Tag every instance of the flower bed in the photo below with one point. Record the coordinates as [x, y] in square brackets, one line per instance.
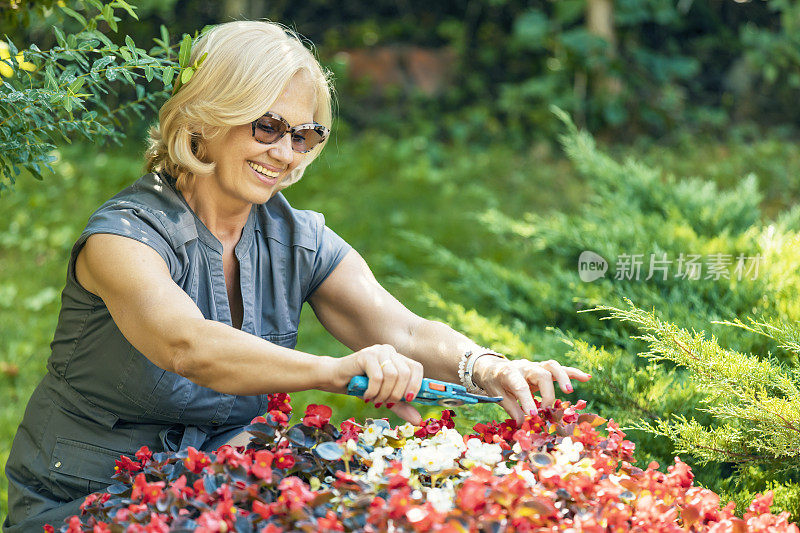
[555, 472]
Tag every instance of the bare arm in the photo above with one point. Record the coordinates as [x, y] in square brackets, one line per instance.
[161, 321]
[358, 311]
[353, 306]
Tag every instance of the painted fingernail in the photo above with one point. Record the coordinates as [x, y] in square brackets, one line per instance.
[389, 405]
[409, 397]
[532, 412]
[569, 388]
[367, 400]
[378, 404]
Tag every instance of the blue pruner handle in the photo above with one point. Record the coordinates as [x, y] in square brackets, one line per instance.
[432, 392]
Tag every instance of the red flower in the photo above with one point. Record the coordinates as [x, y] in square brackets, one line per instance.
[179, 489]
[350, 430]
[399, 503]
[196, 461]
[125, 463]
[279, 417]
[148, 492]
[317, 415]
[101, 527]
[259, 420]
[75, 525]
[49, 529]
[329, 522]
[284, 459]
[262, 464]
[157, 524]
[279, 401]
[294, 494]
[680, 474]
[271, 528]
[227, 454]
[144, 455]
[262, 509]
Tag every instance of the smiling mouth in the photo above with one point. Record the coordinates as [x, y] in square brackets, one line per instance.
[263, 171]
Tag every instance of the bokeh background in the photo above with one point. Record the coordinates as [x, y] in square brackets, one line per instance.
[444, 136]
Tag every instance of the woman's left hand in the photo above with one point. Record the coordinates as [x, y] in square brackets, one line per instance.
[516, 381]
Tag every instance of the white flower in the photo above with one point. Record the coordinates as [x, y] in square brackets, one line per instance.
[482, 453]
[527, 475]
[351, 446]
[370, 434]
[442, 498]
[500, 469]
[568, 452]
[406, 430]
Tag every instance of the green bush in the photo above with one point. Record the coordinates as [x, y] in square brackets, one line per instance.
[528, 299]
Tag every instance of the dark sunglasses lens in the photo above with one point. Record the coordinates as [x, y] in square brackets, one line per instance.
[306, 139]
[269, 130]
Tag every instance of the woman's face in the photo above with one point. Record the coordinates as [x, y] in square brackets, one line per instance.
[237, 152]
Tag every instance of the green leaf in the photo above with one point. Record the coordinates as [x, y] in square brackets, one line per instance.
[74, 14]
[127, 7]
[131, 45]
[76, 85]
[167, 75]
[126, 55]
[107, 13]
[165, 36]
[185, 51]
[148, 73]
[187, 74]
[106, 41]
[62, 42]
[68, 104]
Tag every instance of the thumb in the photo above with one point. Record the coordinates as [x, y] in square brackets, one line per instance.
[408, 413]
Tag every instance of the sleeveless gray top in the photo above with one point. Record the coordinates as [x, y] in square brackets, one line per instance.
[101, 397]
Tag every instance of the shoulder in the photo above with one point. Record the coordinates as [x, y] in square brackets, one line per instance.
[150, 205]
[279, 221]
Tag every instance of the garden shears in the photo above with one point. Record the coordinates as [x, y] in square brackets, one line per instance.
[432, 392]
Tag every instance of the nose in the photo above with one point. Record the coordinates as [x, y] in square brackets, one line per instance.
[282, 149]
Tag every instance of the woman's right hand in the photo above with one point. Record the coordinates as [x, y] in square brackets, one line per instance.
[392, 378]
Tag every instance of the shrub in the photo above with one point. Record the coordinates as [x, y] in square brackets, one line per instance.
[528, 301]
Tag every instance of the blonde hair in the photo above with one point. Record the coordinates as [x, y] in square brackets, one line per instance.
[247, 67]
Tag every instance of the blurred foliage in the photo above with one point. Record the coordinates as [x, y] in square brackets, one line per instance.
[667, 66]
[670, 64]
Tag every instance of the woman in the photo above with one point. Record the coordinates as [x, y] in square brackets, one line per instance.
[184, 291]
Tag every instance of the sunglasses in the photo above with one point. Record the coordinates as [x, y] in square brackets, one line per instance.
[271, 128]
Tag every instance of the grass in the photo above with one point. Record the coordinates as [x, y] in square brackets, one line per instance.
[371, 189]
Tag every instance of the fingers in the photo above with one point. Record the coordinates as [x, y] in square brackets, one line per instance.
[408, 413]
[580, 375]
[392, 376]
[559, 374]
[518, 400]
[515, 381]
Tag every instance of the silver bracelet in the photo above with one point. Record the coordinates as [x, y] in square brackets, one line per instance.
[466, 365]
